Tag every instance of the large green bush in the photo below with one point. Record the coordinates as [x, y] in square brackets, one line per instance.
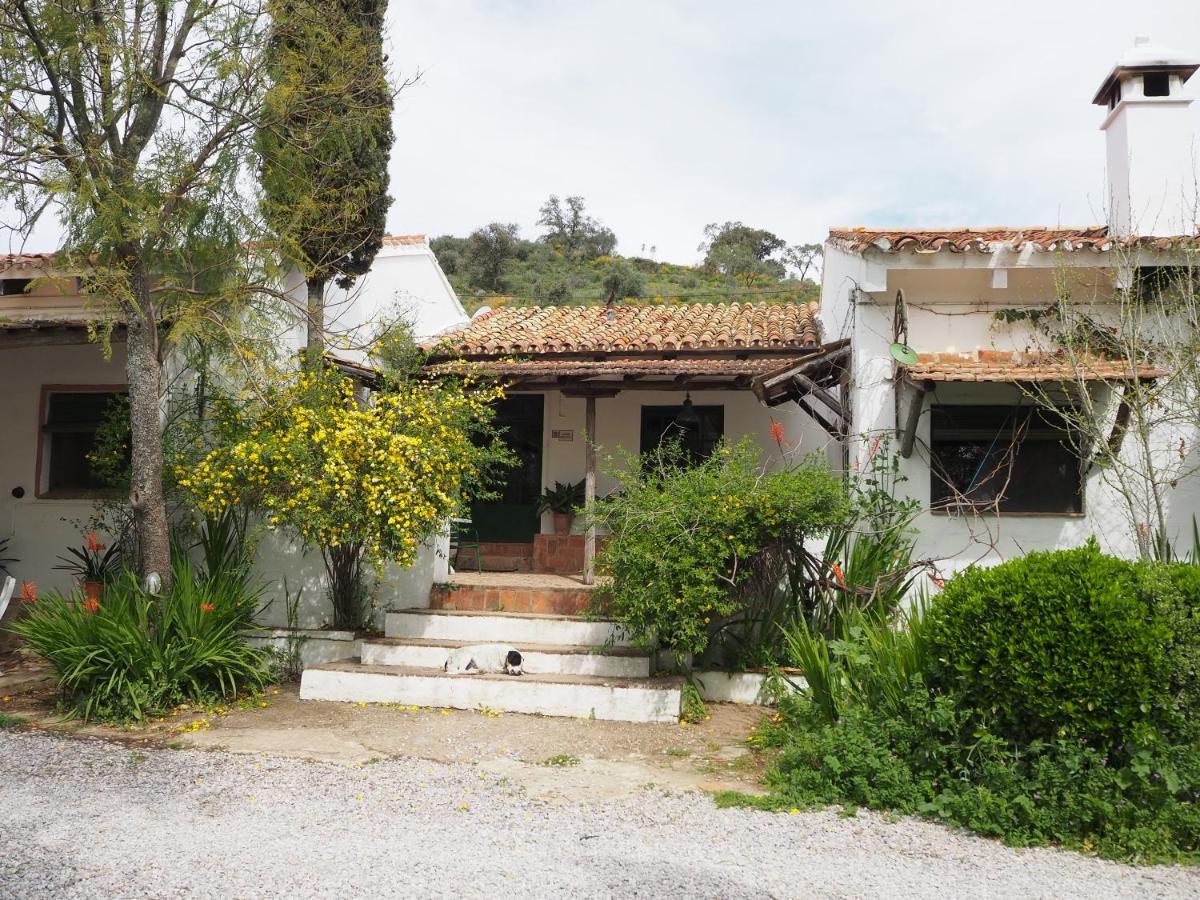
[1055, 644]
[1052, 699]
[134, 654]
[685, 539]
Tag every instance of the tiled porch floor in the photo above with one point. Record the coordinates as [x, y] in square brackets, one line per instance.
[525, 581]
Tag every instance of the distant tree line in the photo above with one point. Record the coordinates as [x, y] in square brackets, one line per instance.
[574, 260]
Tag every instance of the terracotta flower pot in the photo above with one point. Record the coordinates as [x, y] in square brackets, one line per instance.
[93, 591]
[562, 523]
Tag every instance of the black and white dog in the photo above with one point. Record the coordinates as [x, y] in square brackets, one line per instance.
[483, 659]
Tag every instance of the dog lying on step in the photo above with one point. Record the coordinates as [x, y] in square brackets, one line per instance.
[483, 659]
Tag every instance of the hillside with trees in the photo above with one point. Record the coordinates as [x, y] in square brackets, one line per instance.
[574, 261]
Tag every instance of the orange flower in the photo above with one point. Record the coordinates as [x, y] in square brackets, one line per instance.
[93, 542]
[837, 571]
[206, 607]
[28, 592]
[91, 605]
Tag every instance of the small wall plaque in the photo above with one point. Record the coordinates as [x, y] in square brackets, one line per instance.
[562, 434]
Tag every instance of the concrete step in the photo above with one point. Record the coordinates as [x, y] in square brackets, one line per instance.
[578, 696]
[509, 628]
[540, 659]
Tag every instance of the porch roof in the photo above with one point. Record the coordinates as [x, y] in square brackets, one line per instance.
[71, 329]
[624, 372]
[1094, 238]
[1004, 366]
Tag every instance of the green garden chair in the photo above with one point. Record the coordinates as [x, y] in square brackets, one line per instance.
[463, 535]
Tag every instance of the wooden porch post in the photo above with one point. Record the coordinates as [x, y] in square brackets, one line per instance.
[589, 490]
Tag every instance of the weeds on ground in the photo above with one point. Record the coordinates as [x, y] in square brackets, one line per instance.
[561, 760]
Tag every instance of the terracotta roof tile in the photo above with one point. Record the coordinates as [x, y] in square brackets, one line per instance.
[989, 240]
[399, 240]
[525, 330]
[1004, 366]
[23, 262]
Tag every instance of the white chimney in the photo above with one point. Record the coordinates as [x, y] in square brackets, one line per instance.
[1152, 149]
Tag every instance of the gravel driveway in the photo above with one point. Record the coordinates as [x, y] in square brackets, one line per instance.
[90, 819]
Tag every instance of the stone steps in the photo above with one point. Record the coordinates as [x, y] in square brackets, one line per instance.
[519, 629]
[579, 696]
[539, 659]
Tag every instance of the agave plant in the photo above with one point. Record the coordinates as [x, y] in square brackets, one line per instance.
[5, 560]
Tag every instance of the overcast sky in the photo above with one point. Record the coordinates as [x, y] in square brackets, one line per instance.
[666, 115]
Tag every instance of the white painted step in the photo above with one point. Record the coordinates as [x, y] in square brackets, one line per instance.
[577, 696]
[539, 659]
[508, 628]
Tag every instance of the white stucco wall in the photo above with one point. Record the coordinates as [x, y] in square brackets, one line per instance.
[405, 281]
[41, 529]
[279, 558]
[950, 300]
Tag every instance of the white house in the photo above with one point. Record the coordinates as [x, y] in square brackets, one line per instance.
[57, 384]
[954, 408]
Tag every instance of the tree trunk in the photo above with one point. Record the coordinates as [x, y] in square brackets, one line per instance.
[144, 368]
[315, 316]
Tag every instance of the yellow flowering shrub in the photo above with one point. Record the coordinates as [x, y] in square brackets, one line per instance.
[363, 479]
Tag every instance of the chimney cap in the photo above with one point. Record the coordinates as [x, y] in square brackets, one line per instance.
[1144, 56]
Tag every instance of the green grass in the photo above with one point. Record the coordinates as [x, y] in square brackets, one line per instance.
[10, 721]
[561, 760]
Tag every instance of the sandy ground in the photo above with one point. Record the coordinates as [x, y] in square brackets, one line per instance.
[557, 759]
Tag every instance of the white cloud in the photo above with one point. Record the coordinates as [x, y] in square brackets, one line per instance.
[668, 115]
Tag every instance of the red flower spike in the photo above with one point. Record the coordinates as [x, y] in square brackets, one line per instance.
[837, 571]
[28, 592]
[206, 607]
[91, 605]
[93, 542]
[777, 432]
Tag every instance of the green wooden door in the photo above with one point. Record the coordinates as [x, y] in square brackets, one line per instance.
[513, 517]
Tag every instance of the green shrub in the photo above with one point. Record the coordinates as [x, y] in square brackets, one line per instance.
[686, 538]
[926, 760]
[1051, 700]
[135, 654]
[1057, 644]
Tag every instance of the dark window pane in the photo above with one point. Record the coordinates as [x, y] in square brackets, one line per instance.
[661, 425]
[1002, 458]
[71, 423]
[12, 286]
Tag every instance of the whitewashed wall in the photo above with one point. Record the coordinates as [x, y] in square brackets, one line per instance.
[405, 281]
[41, 529]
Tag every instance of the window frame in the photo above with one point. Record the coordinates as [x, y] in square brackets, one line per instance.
[41, 475]
[717, 409]
[940, 507]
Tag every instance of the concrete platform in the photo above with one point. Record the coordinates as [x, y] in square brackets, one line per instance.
[520, 629]
[540, 659]
[577, 696]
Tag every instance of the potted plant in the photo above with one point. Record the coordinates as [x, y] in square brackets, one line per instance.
[562, 500]
[93, 564]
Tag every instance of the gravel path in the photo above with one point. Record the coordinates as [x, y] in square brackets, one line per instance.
[92, 819]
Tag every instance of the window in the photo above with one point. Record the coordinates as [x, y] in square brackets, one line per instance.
[697, 434]
[1007, 459]
[12, 286]
[1156, 84]
[69, 436]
